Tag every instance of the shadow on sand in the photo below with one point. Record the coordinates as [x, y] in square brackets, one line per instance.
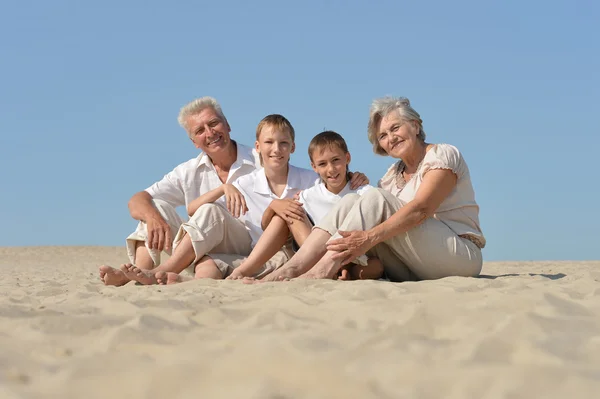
[548, 276]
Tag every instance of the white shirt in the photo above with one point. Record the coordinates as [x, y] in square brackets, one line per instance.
[198, 176]
[318, 201]
[258, 195]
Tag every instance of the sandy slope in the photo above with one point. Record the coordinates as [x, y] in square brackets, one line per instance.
[528, 329]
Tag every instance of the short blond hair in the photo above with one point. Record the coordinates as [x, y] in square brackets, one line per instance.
[277, 121]
[382, 107]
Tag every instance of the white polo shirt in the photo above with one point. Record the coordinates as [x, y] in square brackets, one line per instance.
[318, 201]
[258, 195]
[198, 176]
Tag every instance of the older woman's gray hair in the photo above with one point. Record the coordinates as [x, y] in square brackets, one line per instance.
[197, 106]
[382, 107]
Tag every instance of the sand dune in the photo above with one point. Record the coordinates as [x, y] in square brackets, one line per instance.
[523, 330]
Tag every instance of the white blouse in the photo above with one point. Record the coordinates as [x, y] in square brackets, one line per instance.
[458, 211]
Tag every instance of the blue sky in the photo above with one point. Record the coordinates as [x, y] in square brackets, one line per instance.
[90, 92]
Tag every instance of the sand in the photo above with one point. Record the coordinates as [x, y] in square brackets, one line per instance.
[524, 330]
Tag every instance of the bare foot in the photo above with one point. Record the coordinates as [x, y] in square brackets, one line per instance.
[281, 274]
[111, 276]
[145, 277]
[319, 272]
[170, 278]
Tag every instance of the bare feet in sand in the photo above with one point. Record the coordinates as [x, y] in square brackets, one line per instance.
[145, 277]
[320, 272]
[169, 278]
[111, 276]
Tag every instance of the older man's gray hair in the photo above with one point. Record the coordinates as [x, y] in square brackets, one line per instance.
[197, 106]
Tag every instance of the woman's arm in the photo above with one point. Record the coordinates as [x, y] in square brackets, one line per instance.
[436, 186]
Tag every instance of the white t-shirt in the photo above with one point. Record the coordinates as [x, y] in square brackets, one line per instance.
[318, 201]
[198, 176]
[258, 195]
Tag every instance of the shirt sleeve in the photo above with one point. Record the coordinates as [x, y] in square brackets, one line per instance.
[302, 198]
[240, 182]
[444, 156]
[169, 189]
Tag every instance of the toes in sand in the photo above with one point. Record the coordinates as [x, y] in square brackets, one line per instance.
[145, 277]
[111, 276]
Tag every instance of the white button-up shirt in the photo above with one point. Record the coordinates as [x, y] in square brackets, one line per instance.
[258, 195]
[198, 176]
[318, 201]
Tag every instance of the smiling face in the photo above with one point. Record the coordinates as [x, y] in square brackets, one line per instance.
[331, 163]
[275, 147]
[398, 138]
[208, 131]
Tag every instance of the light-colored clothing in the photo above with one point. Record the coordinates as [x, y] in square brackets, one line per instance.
[458, 211]
[168, 213]
[227, 263]
[184, 184]
[318, 201]
[213, 229]
[258, 195]
[198, 176]
[431, 250]
[428, 251]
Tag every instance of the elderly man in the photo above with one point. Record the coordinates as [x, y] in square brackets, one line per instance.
[222, 161]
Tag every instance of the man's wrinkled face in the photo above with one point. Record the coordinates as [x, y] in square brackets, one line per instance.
[208, 131]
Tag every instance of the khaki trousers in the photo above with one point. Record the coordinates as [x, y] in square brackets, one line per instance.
[227, 263]
[213, 229]
[428, 251]
[141, 232]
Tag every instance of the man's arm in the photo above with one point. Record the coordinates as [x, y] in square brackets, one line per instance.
[159, 232]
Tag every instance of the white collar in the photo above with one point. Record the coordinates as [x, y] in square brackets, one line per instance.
[244, 156]
[261, 185]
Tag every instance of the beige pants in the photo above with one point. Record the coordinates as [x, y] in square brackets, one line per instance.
[141, 232]
[213, 229]
[227, 263]
[428, 251]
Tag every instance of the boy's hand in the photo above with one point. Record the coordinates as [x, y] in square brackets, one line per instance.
[357, 180]
[288, 209]
[236, 203]
[236, 275]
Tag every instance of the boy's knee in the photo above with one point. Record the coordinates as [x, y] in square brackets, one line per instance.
[374, 194]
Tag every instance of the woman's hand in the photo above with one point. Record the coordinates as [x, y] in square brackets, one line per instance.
[288, 209]
[236, 203]
[352, 245]
[357, 180]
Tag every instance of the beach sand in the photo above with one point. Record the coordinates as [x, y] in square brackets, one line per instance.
[522, 330]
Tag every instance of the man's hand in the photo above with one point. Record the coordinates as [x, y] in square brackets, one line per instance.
[357, 180]
[236, 203]
[288, 209]
[159, 234]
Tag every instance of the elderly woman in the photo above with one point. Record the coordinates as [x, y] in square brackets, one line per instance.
[422, 222]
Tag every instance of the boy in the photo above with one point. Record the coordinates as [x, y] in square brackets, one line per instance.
[330, 158]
